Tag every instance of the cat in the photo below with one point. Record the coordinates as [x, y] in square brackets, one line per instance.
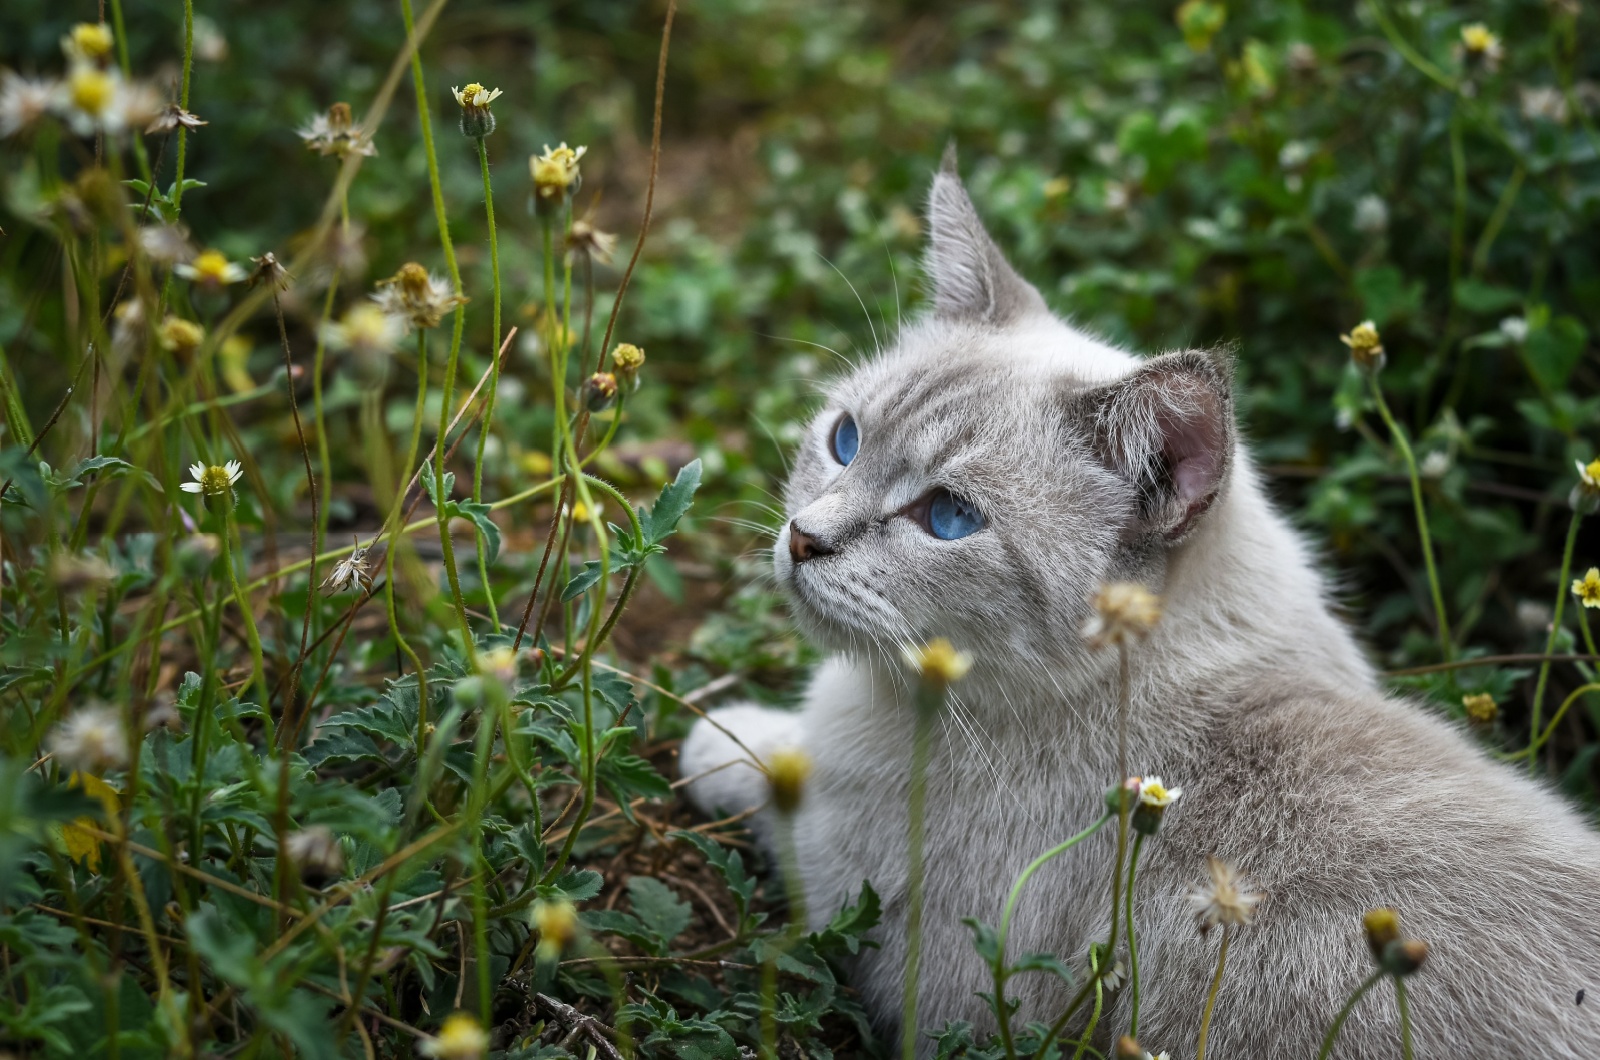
[979, 480]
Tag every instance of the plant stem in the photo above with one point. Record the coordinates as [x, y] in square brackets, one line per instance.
[1402, 443]
[930, 699]
[1094, 1016]
[1555, 630]
[1211, 998]
[1344, 1014]
[247, 612]
[1133, 945]
[392, 540]
[1405, 1017]
[494, 378]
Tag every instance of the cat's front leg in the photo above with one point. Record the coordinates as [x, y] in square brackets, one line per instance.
[716, 759]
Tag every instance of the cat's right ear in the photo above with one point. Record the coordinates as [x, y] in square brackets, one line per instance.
[1168, 430]
[970, 279]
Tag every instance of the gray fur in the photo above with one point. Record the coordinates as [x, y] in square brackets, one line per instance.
[1332, 796]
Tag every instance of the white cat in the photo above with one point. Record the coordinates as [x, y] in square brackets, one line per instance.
[979, 481]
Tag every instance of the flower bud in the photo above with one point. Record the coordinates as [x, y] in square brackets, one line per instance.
[1128, 1049]
[557, 924]
[1366, 347]
[626, 360]
[1404, 956]
[555, 177]
[1585, 497]
[787, 771]
[599, 391]
[1383, 927]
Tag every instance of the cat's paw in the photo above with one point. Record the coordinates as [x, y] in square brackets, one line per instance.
[716, 756]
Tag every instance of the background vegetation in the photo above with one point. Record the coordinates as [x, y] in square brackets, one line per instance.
[1260, 175]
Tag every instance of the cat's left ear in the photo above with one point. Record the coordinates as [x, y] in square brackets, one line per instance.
[970, 279]
[1168, 430]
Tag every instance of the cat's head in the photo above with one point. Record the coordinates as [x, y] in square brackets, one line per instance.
[983, 476]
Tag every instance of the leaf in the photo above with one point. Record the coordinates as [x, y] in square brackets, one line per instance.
[661, 519]
[727, 862]
[846, 930]
[1385, 294]
[984, 939]
[575, 885]
[431, 484]
[659, 908]
[1555, 350]
[478, 512]
[1043, 962]
[611, 922]
[582, 582]
[1479, 297]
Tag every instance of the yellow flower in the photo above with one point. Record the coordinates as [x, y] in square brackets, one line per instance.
[211, 270]
[1482, 44]
[476, 121]
[89, 41]
[1223, 900]
[460, 1038]
[1589, 474]
[1152, 792]
[365, 330]
[499, 663]
[91, 91]
[476, 96]
[81, 843]
[626, 360]
[938, 662]
[555, 175]
[1587, 588]
[787, 771]
[1383, 927]
[180, 336]
[214, 480]
[557, 924]
[1366, 345]
[1480, 707]
[1122, 611]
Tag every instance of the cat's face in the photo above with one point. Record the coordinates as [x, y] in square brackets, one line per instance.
[984, 476]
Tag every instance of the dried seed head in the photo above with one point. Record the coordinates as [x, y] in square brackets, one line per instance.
[268, 269]
[1122, 611]
[584, 238]
[90, 741]
[1224, 899]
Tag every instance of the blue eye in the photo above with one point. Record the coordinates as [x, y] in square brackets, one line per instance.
[950, 517]
[846, 439]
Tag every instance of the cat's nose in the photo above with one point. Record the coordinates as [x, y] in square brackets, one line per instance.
[802, 546]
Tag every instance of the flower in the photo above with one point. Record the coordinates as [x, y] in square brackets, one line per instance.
[1481, 707]
[1366, 346]
[1482, 45]
[1224, 900]
[1435, 464]
[584, 238]
[599, 391]
[1371, 215]
[365, 330]
[180, 336]
[315, 853]
[938, 662]
[23, 101]
[171, 117]
[460, 1038]
[1122, 611]
[1587, 588]
[499, 663]
[335, 133]
[1113, 978]
[90, 741]
[88, 42]
[166, 244]
[557, 924]
[1545, 102]
[626, 360]
[1585, 497]
[1383, 927]
[476, 119]
[1515, 329]
[213, 481]
[788, 768]
[1152, 792]
[269, 270]
[352, 570]
[91, 100]
[555, 175]
[415, 297]
[211, 271]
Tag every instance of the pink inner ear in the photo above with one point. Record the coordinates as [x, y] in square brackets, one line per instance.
[1192, 443]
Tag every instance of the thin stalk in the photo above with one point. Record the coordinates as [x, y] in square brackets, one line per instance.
[392, 544]
[1402, 443]
[1211, 998]
[1344, 1013]
[929, 702]
[1555, 629]
[1405, 1018]
[1094, 1016]
[1133, 944]
[258, 676]
[494, 377]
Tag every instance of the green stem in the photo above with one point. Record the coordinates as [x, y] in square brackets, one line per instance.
[391, 544]
[1133, 945]
[1555, 630]
[1211, 998]
[1094, 1016]
[929, 702]
[1404, 445]
[494, 377]
[1405, 1017]
[1344, 1014]
[257, 668]
[183, 101]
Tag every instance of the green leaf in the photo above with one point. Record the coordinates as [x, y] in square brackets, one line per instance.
[659, 908]
[478, 512]
[1043, 962]
[1486, 298]
[1555, 350]
[582, 581]
[661, 519]
[1385, 294]
[574, 885]
[431, 484]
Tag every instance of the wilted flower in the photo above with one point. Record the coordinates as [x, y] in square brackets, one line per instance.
[460, 1038]
[315, 854]
[365, 330]
[1482, 45]
[555, 175]
[352, 570]
[180, 336]
[557, 924]
[1366, 346]
[210, 271]
[1371, 215]
[476, 119]
[166, 244]
[90, 741]
[335, 133]
[23, 101]
[269, 270]
[415, 297]
[599, 391]
[788, 768]
[88, 42]
[1122, 611]
[584, 238]
[213, 481]
[1587, 588]
[938, 662]
[1224, 899]
[1481, 706]
[171, 117]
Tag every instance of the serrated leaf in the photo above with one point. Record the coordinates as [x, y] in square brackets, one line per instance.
[431, 484]
[574, 885]
[659, 908]
[659, 520]
[582, 581]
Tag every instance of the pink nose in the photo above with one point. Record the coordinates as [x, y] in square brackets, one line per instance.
[802, 546]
